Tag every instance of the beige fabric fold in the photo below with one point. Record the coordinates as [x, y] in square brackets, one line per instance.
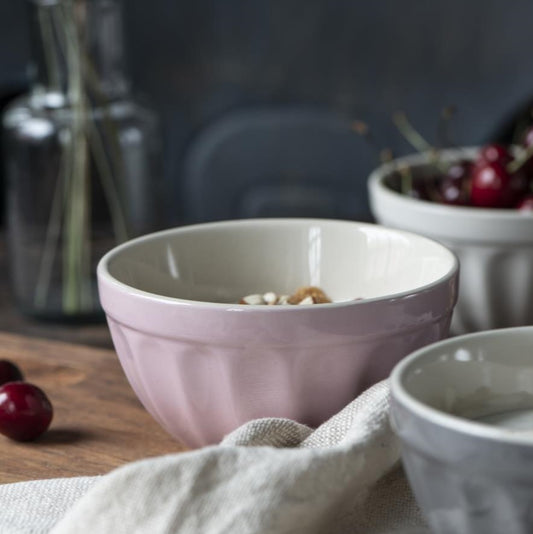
[271, 476]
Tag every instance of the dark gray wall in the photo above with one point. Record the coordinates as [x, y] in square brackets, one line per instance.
[199, 60]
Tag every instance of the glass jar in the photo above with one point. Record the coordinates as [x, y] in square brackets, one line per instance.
[81, 157]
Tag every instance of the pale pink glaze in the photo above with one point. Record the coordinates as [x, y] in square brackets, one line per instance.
[202, 371]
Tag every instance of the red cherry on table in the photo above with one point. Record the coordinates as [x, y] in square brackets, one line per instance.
[25, 411]
[495, 187]
[9, 372]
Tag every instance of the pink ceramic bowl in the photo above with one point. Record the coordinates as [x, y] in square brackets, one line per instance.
[202, 364]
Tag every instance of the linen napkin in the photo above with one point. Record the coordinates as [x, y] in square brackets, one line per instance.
[270, 476]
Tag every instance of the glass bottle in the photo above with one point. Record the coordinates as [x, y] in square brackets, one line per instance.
[81, 160]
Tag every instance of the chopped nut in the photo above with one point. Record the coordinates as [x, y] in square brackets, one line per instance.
[304, 295]
[253, 299]
[270, 298]
[318, 296]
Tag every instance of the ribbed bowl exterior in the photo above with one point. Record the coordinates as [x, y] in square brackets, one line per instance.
[201, 373]
[466, 485]
[468, 475]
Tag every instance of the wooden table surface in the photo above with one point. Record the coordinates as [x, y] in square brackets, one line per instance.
[98, 422]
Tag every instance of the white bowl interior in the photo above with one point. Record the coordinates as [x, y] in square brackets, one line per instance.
[485, 376]
[222, 262]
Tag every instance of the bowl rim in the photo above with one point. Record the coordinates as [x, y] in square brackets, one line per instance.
[446, 420]
[376, 184]
[104, 276]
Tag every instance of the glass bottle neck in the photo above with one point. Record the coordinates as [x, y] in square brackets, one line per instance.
[78, 50]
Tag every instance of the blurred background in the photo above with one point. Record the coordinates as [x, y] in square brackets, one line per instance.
[255, 97]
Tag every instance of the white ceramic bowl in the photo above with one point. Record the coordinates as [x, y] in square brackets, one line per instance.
[463, 409]
[494, 247]
[202, 364]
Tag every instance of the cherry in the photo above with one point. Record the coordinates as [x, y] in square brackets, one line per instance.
[494, 187]
[489, 181]
[527, 140]
[460, 170]
[418, 191]
[519, 186]
[421, 190]
[9, 372]
[525, 204]
[25, 411]
[527, 143]
[416, 186]
[455, 185]
[495, 153]
[426, 187]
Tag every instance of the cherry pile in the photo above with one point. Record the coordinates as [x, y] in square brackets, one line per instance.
[25, 410]
[499, 177]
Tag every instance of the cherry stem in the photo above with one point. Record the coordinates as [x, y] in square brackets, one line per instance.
[416, 140]
[444, 126]
[406, 178]
[517, 164]
[411, 135]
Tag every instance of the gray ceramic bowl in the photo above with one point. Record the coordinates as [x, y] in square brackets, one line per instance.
[463, 409]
